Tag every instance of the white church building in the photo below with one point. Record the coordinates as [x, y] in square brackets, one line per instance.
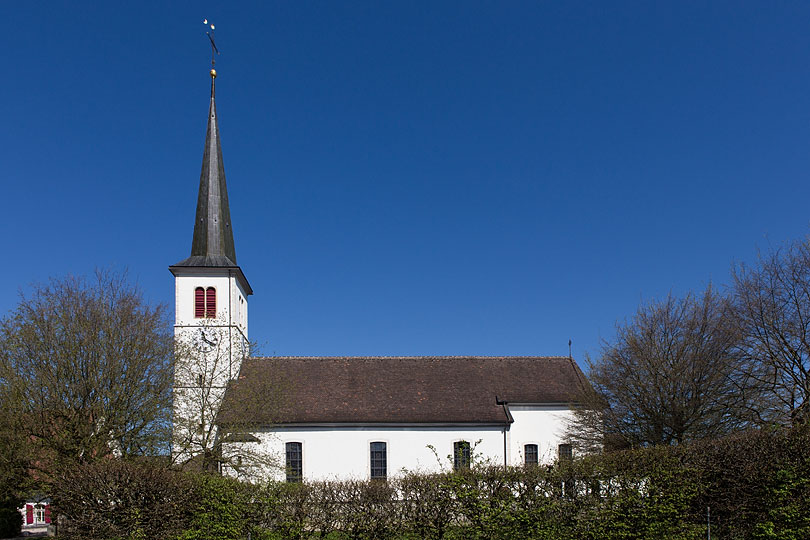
[317, 418]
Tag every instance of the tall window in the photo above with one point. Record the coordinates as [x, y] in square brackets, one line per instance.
[530, 454]
[564, 451]
[461, 455]
[379, 460]
[294, 462]
[205, 303]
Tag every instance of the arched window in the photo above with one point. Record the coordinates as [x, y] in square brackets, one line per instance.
[205, 303]
[461, 455]
[530, 454]
[293, 461]
[379, 460]
[210, 303]
[199, 302]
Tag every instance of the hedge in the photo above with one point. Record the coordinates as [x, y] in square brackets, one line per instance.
[755, 486]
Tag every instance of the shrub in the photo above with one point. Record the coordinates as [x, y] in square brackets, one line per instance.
[10, 521]
[741, 479]
[757, 484]
[121, 499]
[220, 509]
[282, 510]
[427, 504]
[370, 511]
[637, 494]
[787, 500]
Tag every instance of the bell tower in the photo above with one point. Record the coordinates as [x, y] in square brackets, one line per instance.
[211, 318]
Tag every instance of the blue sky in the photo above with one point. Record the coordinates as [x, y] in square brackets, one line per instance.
[414, 177]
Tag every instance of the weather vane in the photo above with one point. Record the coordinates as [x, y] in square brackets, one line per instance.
[214, 50]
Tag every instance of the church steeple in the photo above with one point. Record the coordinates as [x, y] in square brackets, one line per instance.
[212, 243]
[211, 307]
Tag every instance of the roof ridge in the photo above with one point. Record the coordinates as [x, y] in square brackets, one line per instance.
[416, 357]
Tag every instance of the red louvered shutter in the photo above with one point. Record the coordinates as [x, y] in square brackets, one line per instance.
[211, 302]
[199, 302]
[47, 513]
[29, 514]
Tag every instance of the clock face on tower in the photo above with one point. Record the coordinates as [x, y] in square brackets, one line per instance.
[208, 338]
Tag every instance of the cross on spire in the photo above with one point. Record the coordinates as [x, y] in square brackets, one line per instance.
[212, 241]
[214, 50]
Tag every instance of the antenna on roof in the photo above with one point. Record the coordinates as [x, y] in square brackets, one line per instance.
[573, 365]
[214, 50]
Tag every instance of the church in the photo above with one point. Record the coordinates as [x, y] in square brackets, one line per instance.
[318, 418]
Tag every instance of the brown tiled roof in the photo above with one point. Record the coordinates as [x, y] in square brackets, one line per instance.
[424, 389]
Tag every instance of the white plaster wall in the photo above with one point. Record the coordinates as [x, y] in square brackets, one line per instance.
[232, 309]
[239, 307]
[344, 452]
[220, 363]
[229, 293]
[543, 425]
[184, 296]
[192, 407]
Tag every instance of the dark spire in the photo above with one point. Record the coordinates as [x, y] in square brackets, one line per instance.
[212, 243]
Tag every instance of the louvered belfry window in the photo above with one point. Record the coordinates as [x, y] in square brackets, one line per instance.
[199, 302]
[205, 303]
[210, 303]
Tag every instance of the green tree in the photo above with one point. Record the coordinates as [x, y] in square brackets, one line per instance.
[14, 477]
[85, 371]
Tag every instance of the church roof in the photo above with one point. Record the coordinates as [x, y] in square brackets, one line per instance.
[212, 243]
[394, 390]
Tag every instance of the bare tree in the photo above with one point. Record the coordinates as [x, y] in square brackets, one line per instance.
[206, 360]
[85, 370]
[667, 378]
[772, 305]
[201, 375]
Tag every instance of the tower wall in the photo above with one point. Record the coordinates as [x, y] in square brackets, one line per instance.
[209, 353]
